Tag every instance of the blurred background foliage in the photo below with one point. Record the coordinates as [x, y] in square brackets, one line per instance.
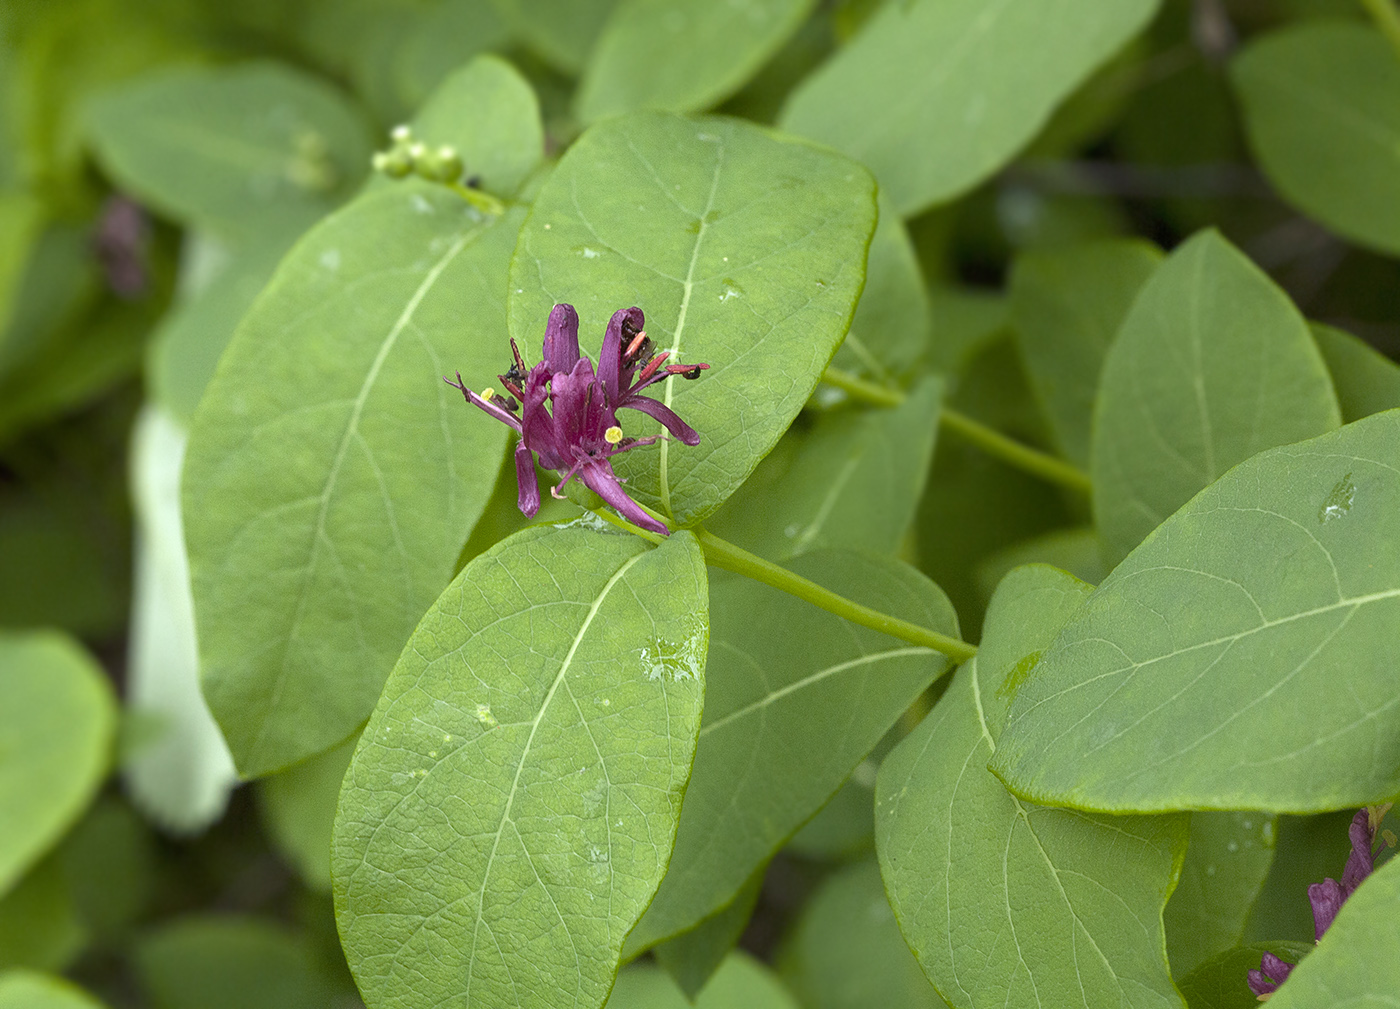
[157, 158]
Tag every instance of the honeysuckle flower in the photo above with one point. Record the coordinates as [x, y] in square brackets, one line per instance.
[568, 413]
[1327, 897]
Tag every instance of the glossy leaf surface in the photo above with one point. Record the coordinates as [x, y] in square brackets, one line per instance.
[681, 55]
[1212, 364]
[332, 475]
[795, 699]
[57, 722]
[511, 806]
[1004, 902]
[935, 95]
[1321, 105]
[1241, 658]
[745, 250]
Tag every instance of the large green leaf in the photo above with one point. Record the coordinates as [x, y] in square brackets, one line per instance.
[332, 476]
[745, 250]
[57, 721]
[1227, 861]
[682, 55]
[846, 951]
[740, 983]
[1366, 380]
[511, 806]
[1322, 109]
[1354, 964]
[1242, 657]
[1006, 903]
[1222, 982]
[561, 31]
[1066, 305]
[236, 150]
[890, 333]
[795, 699]
[935, 95]
[853, 479]
[1212, 364]
[22, 989]
[692, 958]
[232, 962]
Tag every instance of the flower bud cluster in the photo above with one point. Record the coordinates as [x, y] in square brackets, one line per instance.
[408, 157]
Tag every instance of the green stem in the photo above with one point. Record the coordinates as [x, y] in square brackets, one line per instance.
[1387, 18]
[723, 554]
[484, 202]
[990, 440]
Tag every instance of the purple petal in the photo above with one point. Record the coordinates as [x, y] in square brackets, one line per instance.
[1326, 899]
[575, 398]
[610, 357]
[537, 426]
[500, 413]
[660, 411]
[561, 339]
[1360, 862]
[529, 497]
[1272, 972]
[600, 479]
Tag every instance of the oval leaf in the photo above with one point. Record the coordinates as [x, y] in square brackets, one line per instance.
[1321, 104]
[1242, 657]
[332, 476]
[745, 250]
[23, 989]
[1006, 903]
[682, 55]
[1212, 364]
[933, 96]
[57, 720]
[511, 806]
[796, 698]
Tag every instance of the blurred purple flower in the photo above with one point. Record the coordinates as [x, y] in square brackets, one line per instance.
[581, 434]
[120, 241]
[1327, 897]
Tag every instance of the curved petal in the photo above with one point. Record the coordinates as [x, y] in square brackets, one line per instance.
[610, 357]
[660, 411]
[598, 477]
[561, 339]
[537, 426]
[1326, 899]
[529, 484]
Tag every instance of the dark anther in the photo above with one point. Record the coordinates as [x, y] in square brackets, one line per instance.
[473, 182]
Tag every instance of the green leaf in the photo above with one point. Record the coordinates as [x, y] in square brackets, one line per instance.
[236, 150]
[1307, 849]
[332, 476]
[845, 827]
[1074, 550]
[1355, 962]
[218, 284]
[1212, 365]
[1321, 106]
[1227, 861]
[109, 860]
[682, 55]
[181, 777]
[796, 698]
[853, 479]
[1066, 305]
[846, 951]
[232, 962]
[40, 927]
[890, 333]
[298, 807]
[57, 721]
[1366, 380]
[1222, 981]
[22, 989]
[1005, 903]
[740, 983]
[1242, 657]
[511, 806]
[935, 95]
[746, 250]
[560, 31]
[491, 115]
[440, 41]
[692, 958]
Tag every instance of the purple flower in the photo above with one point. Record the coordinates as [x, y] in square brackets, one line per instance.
[121, 242]
[568, 414]
[1327, 897]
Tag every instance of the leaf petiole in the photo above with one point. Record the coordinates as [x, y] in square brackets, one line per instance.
[991, 441]
[482, 201]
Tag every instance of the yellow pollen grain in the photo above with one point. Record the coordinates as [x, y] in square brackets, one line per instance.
[488, 393]
[613, 435]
